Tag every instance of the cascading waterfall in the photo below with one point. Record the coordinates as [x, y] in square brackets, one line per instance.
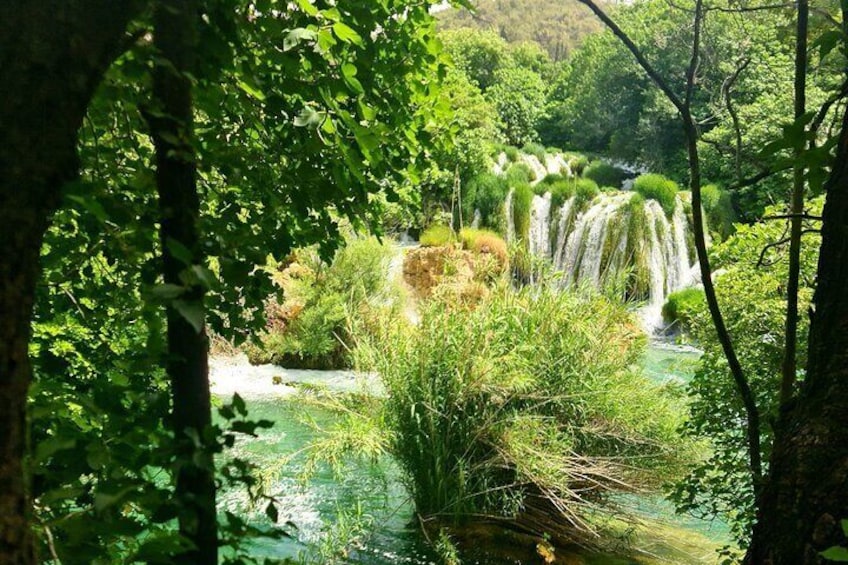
[540, 226]
[616, 240]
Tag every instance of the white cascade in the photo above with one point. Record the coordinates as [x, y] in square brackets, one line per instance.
[510, 220]
[540, 226]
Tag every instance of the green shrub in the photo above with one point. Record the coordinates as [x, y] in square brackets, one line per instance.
[436, 236]
[527, 392]
[657, 187]
[522, 202]
[512, 154]
[560, 192]
[577, 163]
[536, 150]
[719, 208]
[552, 178]
[586, 190]
[486, 193]
[604, 174]
[681, 306]
[519, 173]
[310, 330]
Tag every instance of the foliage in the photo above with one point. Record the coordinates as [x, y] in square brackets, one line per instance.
[522, 201]
[558, 27]
[681, 306]
[533, 390]
[310, 330]
[491, 250]
[519, 173]
[537, 150]
[604, 174]
[486, 193]
[436, 236]
[478, 54]
[719, 208]
[653, 186]
[518, 94]
[586, 189]
[753, 302]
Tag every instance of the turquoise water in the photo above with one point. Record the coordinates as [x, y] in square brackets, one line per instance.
[368, 492]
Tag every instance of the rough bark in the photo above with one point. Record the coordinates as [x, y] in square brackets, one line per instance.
[175, 37]
[53, 53]
[806, 495]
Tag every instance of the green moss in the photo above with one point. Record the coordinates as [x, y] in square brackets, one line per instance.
[436, 236]
[657, 187]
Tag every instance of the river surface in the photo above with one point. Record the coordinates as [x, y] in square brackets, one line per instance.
[324, 508]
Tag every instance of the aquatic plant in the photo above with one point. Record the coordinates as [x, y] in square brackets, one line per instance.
[524, 408]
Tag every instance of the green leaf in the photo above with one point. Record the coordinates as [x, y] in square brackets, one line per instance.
[844, 524]
[346, 33]
[191, 311]
[308, 7]
[308, 117]
[167, 291]
[838, 554]
[349, 75]
[295, 36]
[179, 251]
[272, 512]
[251, 90]
[205, 277]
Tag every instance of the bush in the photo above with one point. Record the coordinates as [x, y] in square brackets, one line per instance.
[551, 178]
[657, 187]
[752, 298]
[522, 202]
[310, 329]
[586, 190]
[681, 306]
[577, 163]
[492, 259]
[436, 236]
[560, 192]
[536, 149]
[519, 173]
[604, 174]
[512, 154]
[528, 392]
[486, 193]
[719, 208]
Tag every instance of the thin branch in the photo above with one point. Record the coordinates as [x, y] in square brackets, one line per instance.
[727, 90]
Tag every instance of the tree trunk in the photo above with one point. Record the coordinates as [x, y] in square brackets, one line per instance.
[806, 495]
[53, 53]
[187, 364]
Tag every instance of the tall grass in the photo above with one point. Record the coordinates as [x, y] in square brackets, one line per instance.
[525, 407]
[653, 186]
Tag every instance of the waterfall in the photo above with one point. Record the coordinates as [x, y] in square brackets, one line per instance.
[540, 226]
[563, 226]
[539, 170]
[510, 220]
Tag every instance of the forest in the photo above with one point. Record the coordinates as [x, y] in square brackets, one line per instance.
[408, 281]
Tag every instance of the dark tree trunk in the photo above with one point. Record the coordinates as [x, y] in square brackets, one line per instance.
[175, 37]
[806, 494]
[53, 53]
